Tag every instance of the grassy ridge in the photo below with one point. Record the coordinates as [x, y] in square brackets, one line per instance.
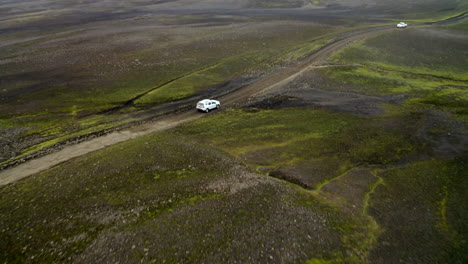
[419, 50]
[458, 9]
[321, 149]
[174, 188]
[421, 63]
[289, 136]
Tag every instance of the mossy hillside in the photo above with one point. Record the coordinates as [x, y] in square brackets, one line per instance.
[99, 79]
[424, 65]
[48, 129]
[439, 15]
[114, 180]
[134, 72]
[415, 50]
[453, 99]
[243, 58]
[60, 134]
[199, 80]
[259, 219]
[232, 68]
[228, 47]
[157, 198]
[421, 209]
[141, 177]
[241, 129]
[355, 142]
[314, 148]
[382, 82]
[292, 136]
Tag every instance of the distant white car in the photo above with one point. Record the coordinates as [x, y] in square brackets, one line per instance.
[401, 25]
[206, 105]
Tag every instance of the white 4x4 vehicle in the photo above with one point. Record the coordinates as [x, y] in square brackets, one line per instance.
[401, 25]
[207, 104]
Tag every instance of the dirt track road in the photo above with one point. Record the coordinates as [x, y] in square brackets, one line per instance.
[280, 77]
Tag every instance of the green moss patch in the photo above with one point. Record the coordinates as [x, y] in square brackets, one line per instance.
[421, 64]
[420, 50]
[282, 141]
[420, 206]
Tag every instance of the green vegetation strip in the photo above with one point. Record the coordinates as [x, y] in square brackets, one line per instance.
[307, 134]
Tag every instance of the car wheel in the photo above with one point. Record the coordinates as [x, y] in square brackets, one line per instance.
[207, 110]
[217, 106]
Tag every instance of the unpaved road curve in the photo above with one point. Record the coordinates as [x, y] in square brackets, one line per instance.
[279, 77]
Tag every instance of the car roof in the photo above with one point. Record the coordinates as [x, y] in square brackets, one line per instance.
[204, 101]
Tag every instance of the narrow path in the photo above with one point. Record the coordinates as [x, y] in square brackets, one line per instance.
[238, 97]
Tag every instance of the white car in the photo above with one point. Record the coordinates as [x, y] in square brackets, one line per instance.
[401, 25]
[206, 105]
